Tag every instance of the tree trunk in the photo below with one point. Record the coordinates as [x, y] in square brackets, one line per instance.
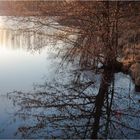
[103, 90]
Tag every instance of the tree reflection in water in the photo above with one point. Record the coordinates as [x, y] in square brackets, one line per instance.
[80, 110]
[83, 109]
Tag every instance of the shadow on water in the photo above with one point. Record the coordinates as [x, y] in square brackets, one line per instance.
[82, 109]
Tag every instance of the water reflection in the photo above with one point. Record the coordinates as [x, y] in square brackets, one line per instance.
[22, 39]
[79, 111]
[91, 106]
[24, 60]
[23, 55]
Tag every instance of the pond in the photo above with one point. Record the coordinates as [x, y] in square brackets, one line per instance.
[27, 62]
[21, 68]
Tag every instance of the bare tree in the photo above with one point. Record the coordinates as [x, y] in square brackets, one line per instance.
[80, 110]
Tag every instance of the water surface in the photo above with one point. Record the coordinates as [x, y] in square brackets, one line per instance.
[28, 59]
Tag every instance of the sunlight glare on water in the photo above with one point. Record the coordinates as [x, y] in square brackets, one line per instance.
[20, 67]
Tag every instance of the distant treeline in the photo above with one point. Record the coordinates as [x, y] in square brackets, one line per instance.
[29, 8]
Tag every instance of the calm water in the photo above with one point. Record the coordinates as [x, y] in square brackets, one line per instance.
[23, 64]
